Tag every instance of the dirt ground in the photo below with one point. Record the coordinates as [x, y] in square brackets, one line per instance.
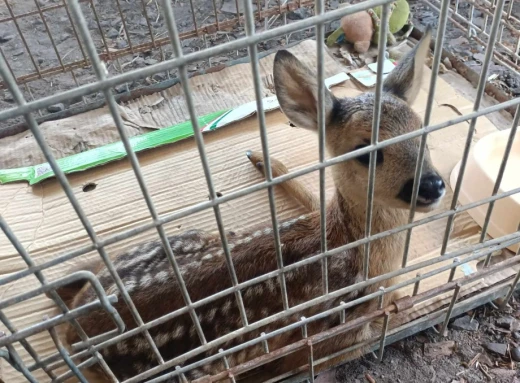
[143, 18]
[482, 350]
[410, 360]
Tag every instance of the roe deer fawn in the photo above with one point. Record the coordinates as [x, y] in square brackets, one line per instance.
[150, 281]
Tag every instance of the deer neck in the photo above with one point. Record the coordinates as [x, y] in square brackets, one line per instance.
[385, 253]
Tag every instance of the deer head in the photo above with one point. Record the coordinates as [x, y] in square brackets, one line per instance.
[349, 126]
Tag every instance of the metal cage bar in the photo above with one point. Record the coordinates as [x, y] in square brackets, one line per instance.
[168, 12]
[439, 42]
[250, 32]
[374, 139]
[153, 43]
[473, 122]
[320, 38]
[93, 346]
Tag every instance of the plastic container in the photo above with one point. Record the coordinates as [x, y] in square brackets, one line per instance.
[479, 180]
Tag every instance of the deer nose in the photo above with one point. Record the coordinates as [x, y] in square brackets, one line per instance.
[431, 188]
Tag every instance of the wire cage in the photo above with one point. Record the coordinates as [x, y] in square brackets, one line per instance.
[43, 49]
[462, 15]
[115, 62]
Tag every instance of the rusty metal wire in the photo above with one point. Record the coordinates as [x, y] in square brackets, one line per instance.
[107, 54]
[179, 366]
[462, 15]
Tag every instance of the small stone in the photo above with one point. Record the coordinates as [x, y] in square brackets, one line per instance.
[116, 22]
[497, 348]
[503, 373]
[8, 97]
[64, 37]
[422, 338]
[40, 61]
[485, 359]
[515, 354]
[230, 6]
[328, 376]
[121, 88]
[159, 77]
[56, 108]
[434, 350]
[516, 335]
[92, 25]
[465, 323]
[6, 38]
[121, 44]
[299, 14]
[19, 53]
[150, 61]
[139, 61]
[112, 33]
[479, 57]
[508, 323]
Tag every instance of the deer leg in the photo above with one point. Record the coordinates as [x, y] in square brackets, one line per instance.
[69, 291]
[295, 188]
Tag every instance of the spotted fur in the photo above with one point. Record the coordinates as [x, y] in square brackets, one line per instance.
[148, 277]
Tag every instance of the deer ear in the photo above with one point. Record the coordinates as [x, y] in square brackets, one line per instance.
[297, 91]
[405, 79]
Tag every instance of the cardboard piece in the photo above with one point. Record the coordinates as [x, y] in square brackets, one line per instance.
[47, 225]
[368, 77]
[222, 90]
[115, 151]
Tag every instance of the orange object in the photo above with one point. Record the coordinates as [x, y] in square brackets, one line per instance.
[358, 29]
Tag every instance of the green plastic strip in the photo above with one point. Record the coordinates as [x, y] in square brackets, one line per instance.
[111, 152]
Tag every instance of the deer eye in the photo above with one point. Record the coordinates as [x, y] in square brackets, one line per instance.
[365, 158]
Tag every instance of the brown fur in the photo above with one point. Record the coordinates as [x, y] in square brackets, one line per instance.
[153, 287]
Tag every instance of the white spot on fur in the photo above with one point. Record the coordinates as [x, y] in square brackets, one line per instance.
[130, 285]
[179, 332]
[162, 339]
[226, 307]
[122, 347]
[146, 280]
[112, 290]
[211, 315]
[207, 257]
[188, 247]
[176, 245]
[139, 346]
[162, 276]
[257, 234]
[143, 258]
[271, 286]
[268, 231]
